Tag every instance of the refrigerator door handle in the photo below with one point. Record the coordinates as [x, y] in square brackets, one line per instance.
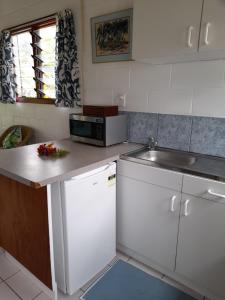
[85, 175]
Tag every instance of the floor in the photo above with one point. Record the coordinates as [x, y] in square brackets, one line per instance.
[15, 285]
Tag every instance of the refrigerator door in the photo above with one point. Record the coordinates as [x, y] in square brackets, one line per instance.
[89, 221]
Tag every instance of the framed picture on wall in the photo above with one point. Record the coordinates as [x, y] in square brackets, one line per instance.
[112, 37]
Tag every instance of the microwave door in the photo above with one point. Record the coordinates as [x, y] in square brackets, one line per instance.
[89, 132]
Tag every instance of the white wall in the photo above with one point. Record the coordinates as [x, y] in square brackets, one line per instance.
[48, 121]
[196, 88]
[190, 88]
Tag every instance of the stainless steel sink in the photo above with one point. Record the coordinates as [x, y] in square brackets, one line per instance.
[165, 157]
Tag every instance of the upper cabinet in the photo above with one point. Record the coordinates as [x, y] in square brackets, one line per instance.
[167, 31]
[212, 35]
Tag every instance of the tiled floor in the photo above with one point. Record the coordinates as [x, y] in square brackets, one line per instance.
[15, 285]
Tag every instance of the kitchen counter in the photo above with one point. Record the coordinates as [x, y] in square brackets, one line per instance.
[24, 165]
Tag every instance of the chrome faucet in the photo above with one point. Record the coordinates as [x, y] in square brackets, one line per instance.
[152, 143]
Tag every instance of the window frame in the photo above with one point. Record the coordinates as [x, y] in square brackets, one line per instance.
[30, 27]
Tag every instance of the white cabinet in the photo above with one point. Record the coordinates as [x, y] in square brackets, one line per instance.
[213, 26]
[165, 28]
[147, 218]
[167, 31]
[174, 223]
[201, 244]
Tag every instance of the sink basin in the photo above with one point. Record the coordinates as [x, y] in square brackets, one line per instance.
[165, 157]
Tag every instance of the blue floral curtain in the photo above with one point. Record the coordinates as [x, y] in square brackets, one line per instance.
[7, 69]
[67, 67]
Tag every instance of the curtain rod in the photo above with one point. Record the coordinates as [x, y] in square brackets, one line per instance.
[18, 27]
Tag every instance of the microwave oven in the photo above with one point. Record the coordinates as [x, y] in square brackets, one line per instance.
[99, 131]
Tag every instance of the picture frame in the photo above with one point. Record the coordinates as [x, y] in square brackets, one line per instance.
[112, 37]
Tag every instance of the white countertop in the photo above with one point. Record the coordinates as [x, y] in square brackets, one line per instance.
[24, 165]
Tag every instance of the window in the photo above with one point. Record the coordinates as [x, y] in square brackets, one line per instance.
[34, 56]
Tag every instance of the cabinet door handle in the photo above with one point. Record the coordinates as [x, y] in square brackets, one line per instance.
[189, 41]
[172, 203]
[186, 203]
[206, 39]
[215, 194]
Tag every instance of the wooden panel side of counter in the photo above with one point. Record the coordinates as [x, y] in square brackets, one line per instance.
[24, 230]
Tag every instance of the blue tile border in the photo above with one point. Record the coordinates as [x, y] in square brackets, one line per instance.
[141, 126]
[205, 135]
[208, 136]
[174, 132]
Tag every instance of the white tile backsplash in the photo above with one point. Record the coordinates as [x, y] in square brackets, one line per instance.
[199, 74]
[22, 110]
[91, 80]
[195, 88]
[3, 110]
[47, 121]
[23, 121]
[114, 78]
[6, 120]
[147, 77]
[122, 79]
[99, 96]
[136, 100]
[171, 101]
[209, 102]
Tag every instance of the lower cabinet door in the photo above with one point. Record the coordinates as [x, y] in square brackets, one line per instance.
[201, 244]
[147, 220]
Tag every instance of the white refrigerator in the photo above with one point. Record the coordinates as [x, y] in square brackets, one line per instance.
[84, 226]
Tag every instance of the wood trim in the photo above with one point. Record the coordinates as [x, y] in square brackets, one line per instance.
[42, 22]
[35, 185]
[36, 100]
[24, 228]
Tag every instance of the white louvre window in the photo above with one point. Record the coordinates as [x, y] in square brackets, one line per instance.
[34, 57]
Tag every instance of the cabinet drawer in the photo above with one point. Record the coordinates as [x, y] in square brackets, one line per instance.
[204, 188]
[149, 174]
